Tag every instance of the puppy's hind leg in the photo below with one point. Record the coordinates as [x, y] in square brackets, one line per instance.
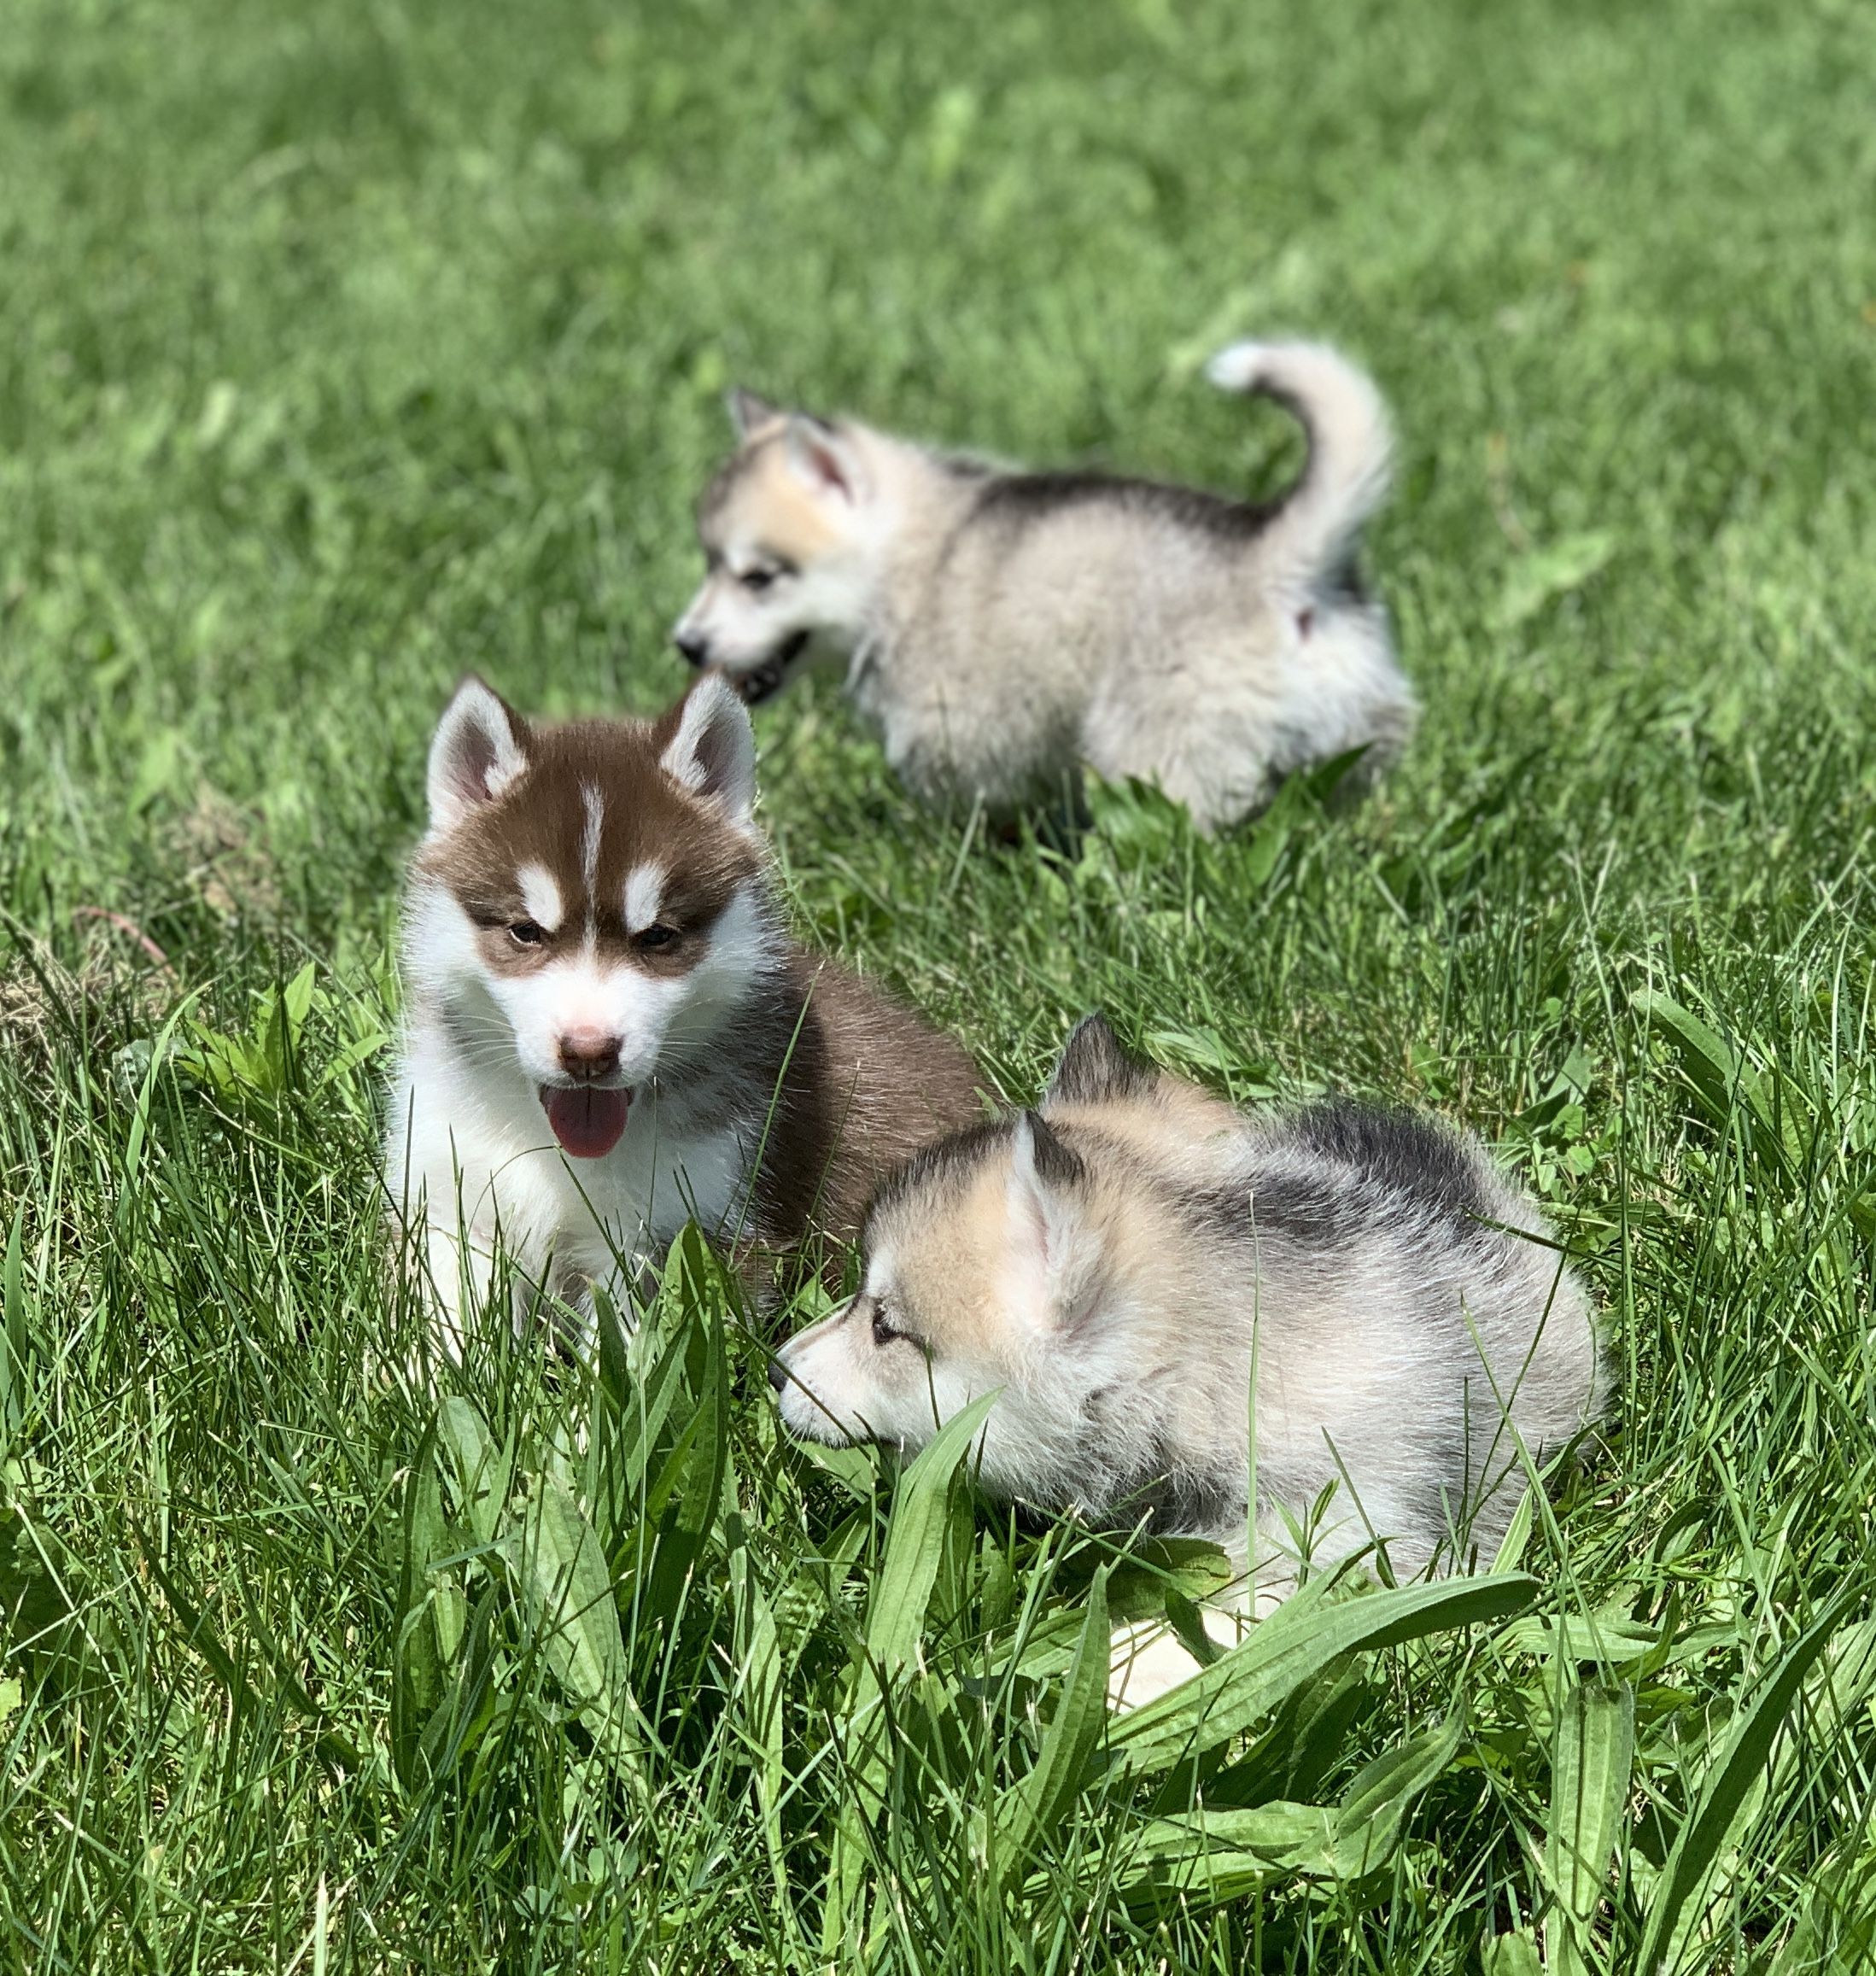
[1208, 748]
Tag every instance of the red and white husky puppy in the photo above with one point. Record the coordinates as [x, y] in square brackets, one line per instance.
[608, 1030]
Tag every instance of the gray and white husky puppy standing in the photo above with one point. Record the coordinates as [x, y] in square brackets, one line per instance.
[1160, 1288]
[607, 1029]
[1001, 627]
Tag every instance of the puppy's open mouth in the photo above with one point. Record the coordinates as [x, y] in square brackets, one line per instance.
[589, 1120]
[767, 679]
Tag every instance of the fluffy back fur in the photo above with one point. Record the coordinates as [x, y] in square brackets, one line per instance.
[1001, 626]
[608, 1030]
[1165, 1291]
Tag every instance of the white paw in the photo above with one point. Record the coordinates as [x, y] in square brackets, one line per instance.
[1148, 1659]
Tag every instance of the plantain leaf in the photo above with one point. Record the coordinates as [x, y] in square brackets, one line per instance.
[1299, 1639]
[427, 1638]
[557, 1562]
[1214, 1856]
[758, 1699]
[1511, 1955]
[914, 1542]
[1722, 1080]
[915, 1547]
[1592, 1756]
[484, 1473]
[1368, 1818]
[683, 1499]
[1208, 1857]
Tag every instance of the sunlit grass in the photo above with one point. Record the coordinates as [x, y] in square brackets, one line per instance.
[343, 349]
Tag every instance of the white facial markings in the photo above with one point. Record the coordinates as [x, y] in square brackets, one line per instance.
[595, 804]
[842, 1386]
[578, 991]
[879, 1274]
[826, 1381]
[441, 954]
[540, 896]
[644, 895]
[745, 946]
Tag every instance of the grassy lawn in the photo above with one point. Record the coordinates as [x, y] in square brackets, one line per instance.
[346, 347]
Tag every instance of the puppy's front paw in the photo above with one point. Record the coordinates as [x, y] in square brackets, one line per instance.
[1146, 1661]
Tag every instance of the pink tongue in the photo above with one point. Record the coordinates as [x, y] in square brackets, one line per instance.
[587, 1123]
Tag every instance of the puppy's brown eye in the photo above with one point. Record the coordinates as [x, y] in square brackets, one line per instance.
[883, 1331]
[658, 935]
[526, 933]
[756, 579]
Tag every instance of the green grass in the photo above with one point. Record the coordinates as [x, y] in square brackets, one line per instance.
[345, 348]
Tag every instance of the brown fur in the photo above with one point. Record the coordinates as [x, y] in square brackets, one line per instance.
[859, 1081]
[868, 1084]
[541, 819]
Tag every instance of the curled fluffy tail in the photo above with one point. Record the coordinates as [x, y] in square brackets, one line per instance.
[1350, 447]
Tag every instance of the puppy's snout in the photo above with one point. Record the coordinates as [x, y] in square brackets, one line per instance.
[778, 1375]
[589, 1054]
[695, 647]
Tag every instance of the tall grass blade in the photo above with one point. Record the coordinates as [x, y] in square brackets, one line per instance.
[1029, 1815]
[1592, 1756]
[915, 1547]
[1679, 1905]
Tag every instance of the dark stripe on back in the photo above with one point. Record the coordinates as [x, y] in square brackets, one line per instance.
[1412, 1156]
[1367, 1167]
[1020, 498]
[1309, 1210]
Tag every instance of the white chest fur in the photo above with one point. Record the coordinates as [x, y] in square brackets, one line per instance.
[470, 1159]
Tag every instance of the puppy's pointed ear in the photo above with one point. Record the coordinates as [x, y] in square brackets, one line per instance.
[1043, 1164]
[480, 745]
[822, 458]
[709, 746]
[748, 412]
[1095, 1068]
[1055, 1246]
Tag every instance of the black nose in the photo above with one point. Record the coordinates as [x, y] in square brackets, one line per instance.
[588, 1054]
[777, 1376]
[695, 647]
